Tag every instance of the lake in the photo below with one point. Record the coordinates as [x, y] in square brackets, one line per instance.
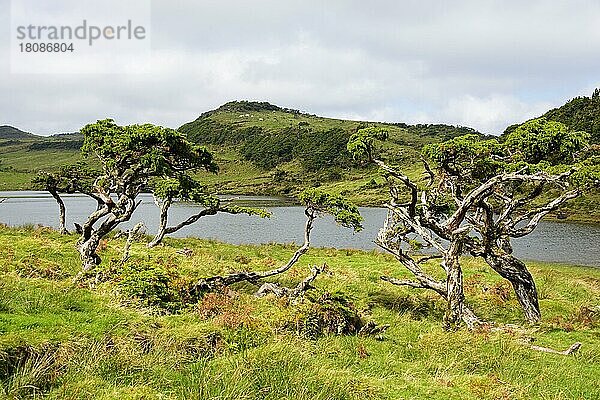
[552, 241]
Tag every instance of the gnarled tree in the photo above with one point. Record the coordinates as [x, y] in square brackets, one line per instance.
[480, 194]
[69, 179]
[184, 188]
[130, 156]
[549, 165]
[316, 203]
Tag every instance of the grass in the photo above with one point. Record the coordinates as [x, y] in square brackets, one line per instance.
[66, 341]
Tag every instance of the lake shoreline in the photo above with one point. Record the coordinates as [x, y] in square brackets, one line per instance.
[561, 241]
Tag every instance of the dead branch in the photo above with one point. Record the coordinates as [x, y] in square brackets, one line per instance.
[133, 235]
[407, 182]
[254, 276]
[280, 291]
[428, 171]
[536, 215]
[571, 350]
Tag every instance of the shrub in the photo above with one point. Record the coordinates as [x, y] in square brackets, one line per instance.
[150, 284]
[327, 314]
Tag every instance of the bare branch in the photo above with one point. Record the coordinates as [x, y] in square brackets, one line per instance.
[254, 276]
[428, 171]
[406, 180]
[132, 235]
[536, 215]
[571, 350]
[298, 291]
[429, 258]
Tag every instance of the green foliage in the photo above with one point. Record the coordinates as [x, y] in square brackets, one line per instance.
[69, 178]
[149, 283]
[468, 154]
[587, 172]
[316, 150]
[579, 114]
[235, 209]
[344, 212]
[184, 188]
[47, 181]
[441, 132]
[323, 150]
[542, 140]
[327, 314]
[362, 144]
[537, 145]
[143, 151]
[269, 150]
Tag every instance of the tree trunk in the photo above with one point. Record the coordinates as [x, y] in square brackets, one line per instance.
[87, 252]
[454, 282]
[253, 276]
[515, 271]
[162, 226]
[61, 207]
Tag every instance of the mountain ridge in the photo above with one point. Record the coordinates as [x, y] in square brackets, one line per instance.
[10, 132]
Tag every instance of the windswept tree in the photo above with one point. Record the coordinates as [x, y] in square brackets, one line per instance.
[130, 157]
[477, 196]
[183, 187]
[316, 203]
[69, 179]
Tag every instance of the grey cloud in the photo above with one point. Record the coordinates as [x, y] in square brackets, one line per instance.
[485, 64]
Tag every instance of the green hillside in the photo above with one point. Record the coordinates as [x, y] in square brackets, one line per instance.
[580, 114]
[21, 158]
[263, 149]
[12, 133]
[266, 149]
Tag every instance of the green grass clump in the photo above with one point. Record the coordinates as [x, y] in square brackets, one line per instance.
[135, 333]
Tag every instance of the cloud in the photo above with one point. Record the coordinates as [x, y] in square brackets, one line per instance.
[485, 64]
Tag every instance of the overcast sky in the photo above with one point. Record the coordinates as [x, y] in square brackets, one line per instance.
[484, 64]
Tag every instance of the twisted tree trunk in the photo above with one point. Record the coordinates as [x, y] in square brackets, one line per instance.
[454, 285]
[90, 237]
[61, 206]
[515, 271]
[162, 225]
[164, 230]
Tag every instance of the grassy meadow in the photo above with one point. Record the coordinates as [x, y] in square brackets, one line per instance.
[136, 331]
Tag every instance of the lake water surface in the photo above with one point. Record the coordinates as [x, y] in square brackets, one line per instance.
[552, 241]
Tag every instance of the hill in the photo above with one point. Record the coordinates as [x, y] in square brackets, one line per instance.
[266, 149]
[22, 155]
[581, 114]
[12, 133]
[261, 148]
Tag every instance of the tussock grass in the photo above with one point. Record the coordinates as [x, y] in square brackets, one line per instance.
[64, 341]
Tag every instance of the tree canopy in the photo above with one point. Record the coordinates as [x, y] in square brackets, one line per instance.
[130, 157]
[479, 194]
